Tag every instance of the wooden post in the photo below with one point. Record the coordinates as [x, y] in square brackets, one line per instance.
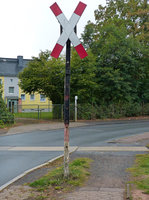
[66, 109]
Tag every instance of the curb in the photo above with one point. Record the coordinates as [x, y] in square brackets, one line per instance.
[31, 170]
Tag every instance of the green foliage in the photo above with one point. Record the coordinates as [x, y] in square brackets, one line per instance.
[83, 78]
[140, 172]
[5, 116]
[116, 72]
[44, 75]
[34, 115]
[131, 109]
[57, 111]
[2, 124]
[121, 56]
[78, 174]
[133, 14]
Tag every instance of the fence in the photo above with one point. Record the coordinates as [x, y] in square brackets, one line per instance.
[34, 111]
[84, 111]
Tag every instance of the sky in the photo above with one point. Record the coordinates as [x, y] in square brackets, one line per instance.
[29, 26]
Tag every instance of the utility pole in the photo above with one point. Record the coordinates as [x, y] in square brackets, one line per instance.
[66, 109]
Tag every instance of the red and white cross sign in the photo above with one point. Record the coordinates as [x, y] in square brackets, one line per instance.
[68, 30]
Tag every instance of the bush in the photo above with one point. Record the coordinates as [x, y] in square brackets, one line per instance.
[87, 111]
[57, 111]
[5, 116]
[1, 124]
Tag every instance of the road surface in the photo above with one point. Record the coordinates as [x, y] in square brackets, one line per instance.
[15, 158]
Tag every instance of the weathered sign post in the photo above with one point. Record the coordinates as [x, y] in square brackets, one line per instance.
[67, 36]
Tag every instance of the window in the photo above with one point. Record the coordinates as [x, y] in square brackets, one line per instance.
[11, 80]
[32, 97]
[42, 97]
[23, 97]
[0, 81]
[11, 89]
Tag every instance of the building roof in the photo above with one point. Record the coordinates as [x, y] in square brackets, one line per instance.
[12, 66]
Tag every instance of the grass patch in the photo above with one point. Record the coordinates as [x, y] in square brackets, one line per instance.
[55, 181]
[140, 172]
[34, 115]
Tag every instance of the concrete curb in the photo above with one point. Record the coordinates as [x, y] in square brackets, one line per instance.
[31, 170]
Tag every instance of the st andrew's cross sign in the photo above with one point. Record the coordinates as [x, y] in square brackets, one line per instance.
[68, 35]
[68, 30]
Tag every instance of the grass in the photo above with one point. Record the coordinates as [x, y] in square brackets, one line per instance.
[140, 172]
[54, 181]
[34, 115]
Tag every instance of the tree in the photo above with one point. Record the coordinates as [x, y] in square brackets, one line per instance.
[116, 70]
[44, 75]
[83, 75]
[122, 61]
[132, 13]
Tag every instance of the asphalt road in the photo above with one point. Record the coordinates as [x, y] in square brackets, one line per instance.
[13, 163]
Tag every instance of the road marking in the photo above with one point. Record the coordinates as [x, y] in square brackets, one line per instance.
[112, 148]
[36, 148]
[4, 148]
[73, 148]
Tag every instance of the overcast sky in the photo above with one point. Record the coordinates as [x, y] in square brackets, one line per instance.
[28, 26]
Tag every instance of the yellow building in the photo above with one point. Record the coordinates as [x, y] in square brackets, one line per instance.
[16, 100]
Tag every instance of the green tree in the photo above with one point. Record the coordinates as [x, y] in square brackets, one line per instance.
[132, 13]
[5, 116]
[44, 75]
[122, 61]
[83, 78]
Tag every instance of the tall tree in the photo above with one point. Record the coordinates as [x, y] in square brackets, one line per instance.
[122, 61]
[83, 75]
[132, 13]
[44, 75]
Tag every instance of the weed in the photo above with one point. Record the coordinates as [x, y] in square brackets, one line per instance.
[140, 172]
[56, 180]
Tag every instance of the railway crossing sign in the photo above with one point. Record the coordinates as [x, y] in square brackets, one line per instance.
[67, 36]
[68, 30]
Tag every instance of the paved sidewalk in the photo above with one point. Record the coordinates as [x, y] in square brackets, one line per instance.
[42, 127]
[91, 193]
[108, 176]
